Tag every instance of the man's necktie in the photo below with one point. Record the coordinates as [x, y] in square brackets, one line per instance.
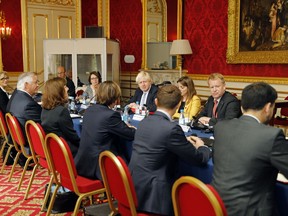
[143, 99]
[215, 108]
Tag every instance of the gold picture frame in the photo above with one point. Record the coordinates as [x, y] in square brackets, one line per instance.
[234, 55]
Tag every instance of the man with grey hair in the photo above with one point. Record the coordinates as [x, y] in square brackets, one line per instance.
[145, 94]
[21, 104]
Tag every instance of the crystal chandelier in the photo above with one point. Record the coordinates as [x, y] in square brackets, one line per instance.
[5, 31]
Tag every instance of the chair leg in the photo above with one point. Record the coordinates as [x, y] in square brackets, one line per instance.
[47, 193]
[6, 158]
[31, 180]
[23, 172]
[52, 200]
[2, 148]
[14, 165]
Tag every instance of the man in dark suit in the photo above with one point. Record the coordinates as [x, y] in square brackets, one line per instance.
[22, 105]
[145, 94]
[221, 104]
[159, 143]
[248, 155]
[70, 84]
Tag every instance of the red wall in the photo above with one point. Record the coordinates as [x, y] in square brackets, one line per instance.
[12, 47]
[89, 14]
[205, 25]
[126, 26]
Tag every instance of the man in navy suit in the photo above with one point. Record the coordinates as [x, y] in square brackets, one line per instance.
[21, 104]
[145, 94]
[221, 104]
[158, 144]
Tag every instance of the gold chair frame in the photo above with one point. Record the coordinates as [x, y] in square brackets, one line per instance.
[20, 150]
[35, 157]
[202, 187]
[6, 141]
[57, 180]
[111, 156]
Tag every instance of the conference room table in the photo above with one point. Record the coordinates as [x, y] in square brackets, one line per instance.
[203, 172]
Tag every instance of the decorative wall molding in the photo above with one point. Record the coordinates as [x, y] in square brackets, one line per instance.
[249, 79]
[54, 2]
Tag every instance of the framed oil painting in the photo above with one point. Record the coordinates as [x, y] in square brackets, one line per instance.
[257, 32]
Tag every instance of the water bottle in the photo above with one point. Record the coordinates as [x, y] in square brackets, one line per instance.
[125, 115]
[182, 117]
[137, 110]
[73, 106]
[84, 98]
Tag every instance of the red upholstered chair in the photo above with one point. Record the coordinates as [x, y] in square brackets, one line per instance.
[4, 134]
[61, 163]
[19, 143]
[283, 118]
[190, 196]
[118, 183]
[36, 138]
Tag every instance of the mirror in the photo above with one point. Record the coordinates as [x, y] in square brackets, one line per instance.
[162, 23]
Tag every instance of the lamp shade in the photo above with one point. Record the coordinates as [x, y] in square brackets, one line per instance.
[180, 47]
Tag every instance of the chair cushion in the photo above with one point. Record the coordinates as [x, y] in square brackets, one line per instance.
[85, 185]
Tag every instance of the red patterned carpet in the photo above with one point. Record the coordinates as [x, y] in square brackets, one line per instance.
[12, 202]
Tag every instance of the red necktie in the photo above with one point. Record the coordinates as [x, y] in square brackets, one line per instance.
[215, 108]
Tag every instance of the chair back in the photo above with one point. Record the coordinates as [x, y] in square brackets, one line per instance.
[190, 195]
[16, 133]
[60, 160]
[118, 182]
[36, 138]
[3, 127]
[284, 110]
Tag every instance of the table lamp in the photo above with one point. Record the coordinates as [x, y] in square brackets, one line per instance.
[180, 47]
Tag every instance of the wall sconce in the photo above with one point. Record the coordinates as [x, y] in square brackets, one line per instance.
[180, 47]
[5, 31]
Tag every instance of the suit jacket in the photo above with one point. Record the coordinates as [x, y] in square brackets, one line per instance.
[3, 101]
[247, 156]
[192, 108]
[150, 102]
[58, 121]
[24, 108]
[157, 146]
[101, 130]
[70, 84]
[228, 108]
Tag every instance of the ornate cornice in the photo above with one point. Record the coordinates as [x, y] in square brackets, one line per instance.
[54, 2]
[153, 6]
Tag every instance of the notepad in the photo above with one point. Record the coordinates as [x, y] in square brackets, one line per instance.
[281, 178]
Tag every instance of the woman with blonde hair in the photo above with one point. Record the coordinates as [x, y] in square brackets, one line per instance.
[55, 117]
[3, 94]
[191, 103]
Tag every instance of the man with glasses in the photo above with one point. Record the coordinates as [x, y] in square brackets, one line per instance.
[70, 84]
[22, 105]
[221, 104]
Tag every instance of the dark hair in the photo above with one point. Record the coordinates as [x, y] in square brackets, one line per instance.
[108, 93]
[54, 93]
[168, 96]
[255, 96]
[188, 82]
[97, 74]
